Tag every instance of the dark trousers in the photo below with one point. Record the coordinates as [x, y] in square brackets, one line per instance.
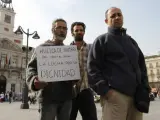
[10, 99]
[59, 111]
[84, 102]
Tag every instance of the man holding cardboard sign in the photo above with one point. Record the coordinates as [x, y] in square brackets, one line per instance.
[49, 72]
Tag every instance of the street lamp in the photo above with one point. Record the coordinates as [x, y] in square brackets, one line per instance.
[25, 104]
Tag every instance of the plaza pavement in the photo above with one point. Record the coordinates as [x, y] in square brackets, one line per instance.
[13, 112]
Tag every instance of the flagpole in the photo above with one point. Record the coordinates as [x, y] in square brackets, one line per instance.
[0, 59]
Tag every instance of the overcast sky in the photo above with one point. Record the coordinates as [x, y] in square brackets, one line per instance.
[141, 18]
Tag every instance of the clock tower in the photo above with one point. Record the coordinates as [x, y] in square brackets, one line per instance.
[7, 17]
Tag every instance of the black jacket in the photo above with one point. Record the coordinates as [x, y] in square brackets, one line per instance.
[109, 65]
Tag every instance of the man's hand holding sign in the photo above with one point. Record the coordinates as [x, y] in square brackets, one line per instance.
[56, 63]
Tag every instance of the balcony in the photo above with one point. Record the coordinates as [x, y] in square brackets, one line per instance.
[16, 68]
[11, 68]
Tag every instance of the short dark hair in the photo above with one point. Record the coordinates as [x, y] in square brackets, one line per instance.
[58, 20]
[78, 23]
[106, 13]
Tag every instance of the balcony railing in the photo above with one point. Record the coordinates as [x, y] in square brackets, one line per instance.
[16, 68]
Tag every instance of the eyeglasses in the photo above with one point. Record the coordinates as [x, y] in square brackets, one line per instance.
[61, 27]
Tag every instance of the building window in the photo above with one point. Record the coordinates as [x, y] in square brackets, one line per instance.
[157, 64]
[13, 86]
[150, 65]
[152, 75]
[4, 61]
[14, 60]
[23, 62]
[151, 72]
[158, 72]
[7, 19]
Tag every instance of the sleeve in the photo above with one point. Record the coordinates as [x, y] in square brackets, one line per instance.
[143, 68]
[144, 76]
[95, 68]
[31, 72]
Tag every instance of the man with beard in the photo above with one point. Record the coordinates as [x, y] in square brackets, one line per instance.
[84, 100]
[55, 98]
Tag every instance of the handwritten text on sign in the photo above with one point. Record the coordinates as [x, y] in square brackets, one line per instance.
[57, 63]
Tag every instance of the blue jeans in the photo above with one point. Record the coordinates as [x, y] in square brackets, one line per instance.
[59, 111]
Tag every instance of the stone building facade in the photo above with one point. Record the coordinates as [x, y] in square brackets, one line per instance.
[12, 57]
[153, 68]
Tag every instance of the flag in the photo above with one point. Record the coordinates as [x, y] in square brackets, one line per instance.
[9, 63]
[0, 60]
[6, 60]
[17, 41]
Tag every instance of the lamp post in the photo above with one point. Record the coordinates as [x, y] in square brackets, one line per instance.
[20, 30]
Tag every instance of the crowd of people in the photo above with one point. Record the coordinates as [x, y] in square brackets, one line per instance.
[6, 97]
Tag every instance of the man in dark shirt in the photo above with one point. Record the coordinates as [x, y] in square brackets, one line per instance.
[110, 64]
[10, 96]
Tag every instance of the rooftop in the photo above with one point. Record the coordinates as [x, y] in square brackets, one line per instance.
[152, 56]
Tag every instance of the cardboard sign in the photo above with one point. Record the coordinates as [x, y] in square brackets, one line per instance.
[57, 63]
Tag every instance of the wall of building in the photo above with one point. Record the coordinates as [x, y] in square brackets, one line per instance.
[12, 66]
[12, 57]
[153, 68]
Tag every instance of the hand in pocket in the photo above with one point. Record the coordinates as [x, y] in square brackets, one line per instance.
[109, 93]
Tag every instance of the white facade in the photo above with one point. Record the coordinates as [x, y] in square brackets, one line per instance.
[12, 57]
[7, 17]
[153, 69]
